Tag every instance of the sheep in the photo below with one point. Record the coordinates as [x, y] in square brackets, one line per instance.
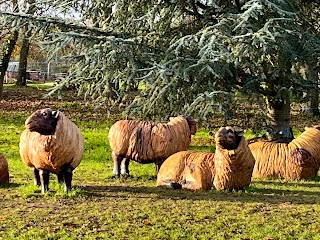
[298, 159]
[230, 167]
[148, 142]
[4, 170]
[51, 143]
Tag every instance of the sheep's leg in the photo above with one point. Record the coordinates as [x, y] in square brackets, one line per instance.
[68, 179]
[124, 168]
[36, 176]
[60, 177]
[116, 164]
[44, 179]
[158, 163]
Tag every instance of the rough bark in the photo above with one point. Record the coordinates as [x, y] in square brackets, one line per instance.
[24, 52]
[279, 118]
[23, 61]
[6, 59]
[314, 92]
[8, 51]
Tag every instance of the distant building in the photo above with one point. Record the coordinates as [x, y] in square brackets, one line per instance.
[32, 74]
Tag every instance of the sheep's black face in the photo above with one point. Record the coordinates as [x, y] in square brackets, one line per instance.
[43, 121]
[228, 138]
[193, 124]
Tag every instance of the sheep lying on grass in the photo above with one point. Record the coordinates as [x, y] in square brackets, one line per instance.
[147, 142]
[299, 159]
[51, 143]
[230, 167]
[4, 170]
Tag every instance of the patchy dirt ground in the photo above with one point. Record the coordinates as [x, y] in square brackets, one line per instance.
[28, 99]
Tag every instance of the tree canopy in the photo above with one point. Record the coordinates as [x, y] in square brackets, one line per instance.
[188, 56]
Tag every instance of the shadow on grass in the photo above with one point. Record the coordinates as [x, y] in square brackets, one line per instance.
[315, 183]
[10, 185]
[263, 195]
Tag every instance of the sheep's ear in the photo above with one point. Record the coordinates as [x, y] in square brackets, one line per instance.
[240, 133]
[55, 114]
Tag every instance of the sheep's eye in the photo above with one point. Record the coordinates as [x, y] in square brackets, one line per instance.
[44, 114]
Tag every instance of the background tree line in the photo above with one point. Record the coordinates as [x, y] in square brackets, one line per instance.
[155, 59]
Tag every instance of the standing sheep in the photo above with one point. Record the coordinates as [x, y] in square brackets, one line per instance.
[51, 143]
[147, 142]
[230, 167]
[4, 170]
[297, 160]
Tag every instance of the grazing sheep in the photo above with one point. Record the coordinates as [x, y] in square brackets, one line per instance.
[4, 170]
[230, 167]
[147, 142]
[51, 143]
[298, 159]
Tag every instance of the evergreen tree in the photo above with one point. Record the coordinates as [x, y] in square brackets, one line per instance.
[188, 56]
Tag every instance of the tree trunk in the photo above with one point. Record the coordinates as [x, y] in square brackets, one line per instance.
[279, 118]
[314, 102]
[8, 51]
[314, 93]
[6, 59]
[23, 61]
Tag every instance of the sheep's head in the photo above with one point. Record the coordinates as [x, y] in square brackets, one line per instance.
[193, 124]
[316, 127]
[227, 138]
[43, 121]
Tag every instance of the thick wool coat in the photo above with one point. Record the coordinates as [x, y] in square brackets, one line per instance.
[224, 169]
[300, 159]
[4, 170]
[64, 147]
[233, 168]
[145, 142]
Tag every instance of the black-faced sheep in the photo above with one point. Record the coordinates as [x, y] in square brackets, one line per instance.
[51, 143]
[230, 167]
[147, 142]
[4, 170]
[299, 159]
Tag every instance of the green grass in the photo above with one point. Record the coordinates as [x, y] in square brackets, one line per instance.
[101, 207]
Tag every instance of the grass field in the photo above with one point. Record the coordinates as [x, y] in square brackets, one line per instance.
[101, 207]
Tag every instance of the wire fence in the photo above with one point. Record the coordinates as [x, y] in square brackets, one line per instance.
[37, 71]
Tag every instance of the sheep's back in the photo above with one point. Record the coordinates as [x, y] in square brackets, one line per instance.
[276, 160]
[233, 168]
[170, 138]
[188, 167]
[144, 141]
[4, 170]
[52, 152]
[131, 139]
[270, 159]
[304, 154]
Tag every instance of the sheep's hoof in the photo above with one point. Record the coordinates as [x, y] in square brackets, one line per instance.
[125, 176]
[175, 185]
[115, 176]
